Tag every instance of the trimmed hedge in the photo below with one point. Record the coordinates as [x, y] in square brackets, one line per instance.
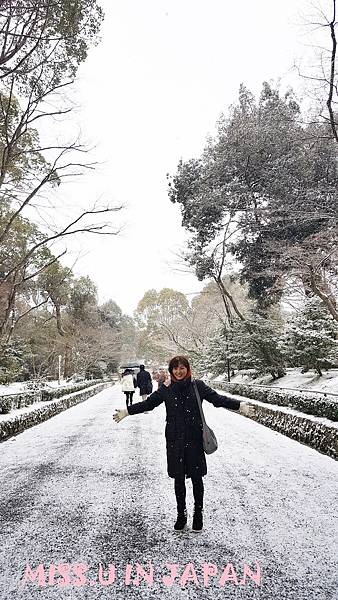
[15, 401]
[310, 404]
[22, 399]
[18, 423]
[52, 394]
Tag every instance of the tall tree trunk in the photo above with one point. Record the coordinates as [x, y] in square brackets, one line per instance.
[67, 368]
[7, 318]
[320, 289]
[227, 297]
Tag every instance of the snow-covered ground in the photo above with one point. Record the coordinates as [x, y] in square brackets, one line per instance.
[81, 489]
[293, 379]
[13, 388]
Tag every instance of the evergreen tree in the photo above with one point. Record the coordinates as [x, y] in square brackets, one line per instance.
[254, 345]
[310, 340]
[12, 365]
[215, 357]
[266, 186]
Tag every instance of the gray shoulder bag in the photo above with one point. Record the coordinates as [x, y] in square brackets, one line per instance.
[209, 439]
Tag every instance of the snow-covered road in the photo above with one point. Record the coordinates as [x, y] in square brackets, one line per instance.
[81, 489]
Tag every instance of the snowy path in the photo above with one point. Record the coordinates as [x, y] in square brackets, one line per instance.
[81, 489]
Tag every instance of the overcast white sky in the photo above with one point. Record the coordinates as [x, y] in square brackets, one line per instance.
[149, 94]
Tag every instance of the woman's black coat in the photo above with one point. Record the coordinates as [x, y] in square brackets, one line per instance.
[183, 432]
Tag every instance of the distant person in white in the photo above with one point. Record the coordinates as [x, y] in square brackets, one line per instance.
[128, 386]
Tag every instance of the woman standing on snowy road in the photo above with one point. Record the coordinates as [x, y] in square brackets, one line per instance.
[185, 454]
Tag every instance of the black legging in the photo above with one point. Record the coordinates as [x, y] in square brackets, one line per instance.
[180, 492]
[129, 398]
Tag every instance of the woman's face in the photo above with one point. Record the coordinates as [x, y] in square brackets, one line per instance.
[180, 372]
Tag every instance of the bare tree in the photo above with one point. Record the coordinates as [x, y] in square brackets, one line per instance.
[36, 32]
[332, 82]
[42, 42]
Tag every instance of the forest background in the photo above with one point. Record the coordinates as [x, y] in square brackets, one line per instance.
[259, 206]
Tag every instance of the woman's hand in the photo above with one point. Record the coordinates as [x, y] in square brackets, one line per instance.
[246, 409]
[167, 380]
[120, 414]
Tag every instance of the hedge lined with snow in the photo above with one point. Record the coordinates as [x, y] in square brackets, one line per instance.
[312, 431]
[318, 432]
[52, 394]
[15, 423]
[310, 404]
[16, 401]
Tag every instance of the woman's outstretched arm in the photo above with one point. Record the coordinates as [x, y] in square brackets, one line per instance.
[155, 399]
[224, 401]
[216, 399]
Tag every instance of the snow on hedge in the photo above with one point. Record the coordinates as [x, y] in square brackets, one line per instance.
[318, 432]
[23, 418]
[19, 400]
[319, 405]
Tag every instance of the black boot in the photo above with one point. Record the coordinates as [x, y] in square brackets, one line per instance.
[197, 520]
[181, 521]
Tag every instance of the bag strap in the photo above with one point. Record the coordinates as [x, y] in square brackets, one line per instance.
[199, 401]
